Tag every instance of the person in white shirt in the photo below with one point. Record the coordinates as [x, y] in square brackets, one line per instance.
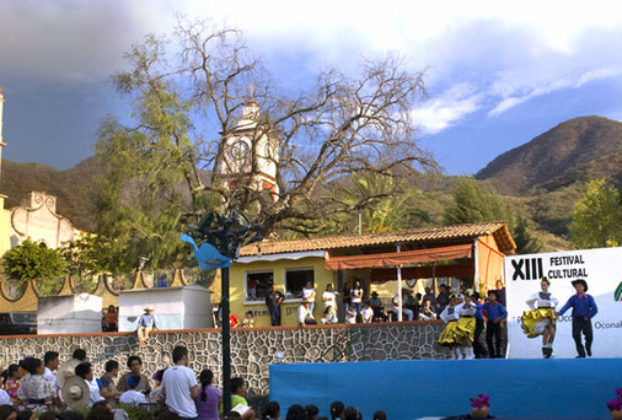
[540, 319]
[367, 313]
[131, 396]
[329, 297]
[51, 361]
[308, 295]
[85, 371]
[466, 325]
[304, 315]
[395, 308]
[450, 316]
[179, 385]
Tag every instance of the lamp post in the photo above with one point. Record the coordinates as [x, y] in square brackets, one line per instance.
[227, 234]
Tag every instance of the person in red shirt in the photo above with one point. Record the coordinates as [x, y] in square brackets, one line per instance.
[234, 321]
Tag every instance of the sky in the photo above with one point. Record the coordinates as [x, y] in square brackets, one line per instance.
[497, 73]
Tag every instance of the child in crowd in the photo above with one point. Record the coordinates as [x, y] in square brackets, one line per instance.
[249, 321]
[330, 317]
[131, 396]
[351, 314]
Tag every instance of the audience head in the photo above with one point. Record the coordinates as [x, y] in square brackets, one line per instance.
[249, 314]
[157, 376]
[492, 296]
[329, 287]
[205, 378]
[296, 412]
[101, 413]
[51, 360]
[34, 366]
[166, 414]
[102, 404]
[238, 386]
[80, 355]
[135, 364]
[133, 381]
[312, 412]
[180, 355]
[336, 409]
[112, 368]
[272, 411]
[233, 415]
[48, 415]
[8, 412]
[379, 415]
[11, 372]
[111, 308]
[351, 413]
[85, 371]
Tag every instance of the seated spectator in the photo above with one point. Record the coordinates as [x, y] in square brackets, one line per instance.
[85, 371]
[131, 396]
[312, 412]
[238, 394]
[156, 392]
[330, 316]
[272, 411]
[367, 313]
[442, 300]
[379, 415]
[304, 315]
[427, 312]
[26, 415]
[136, 365]
[108, 389]
[429, 295]
[405, 311]
[51, 361]
[36, 393]
[234, 321]
[336, 410]
[5, 398]
[351, 313]
[112, 318]
[410, 303]
[11, 378]
[296, 412]
[351, 413]
[249, 321]
[378, 308]
[146, 323]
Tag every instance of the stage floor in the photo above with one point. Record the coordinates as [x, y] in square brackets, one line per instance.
[413, 389]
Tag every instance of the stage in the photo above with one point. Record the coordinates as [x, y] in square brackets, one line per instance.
[412, 389]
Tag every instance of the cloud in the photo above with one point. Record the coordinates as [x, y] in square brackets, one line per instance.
[442, 112]
[517, 94]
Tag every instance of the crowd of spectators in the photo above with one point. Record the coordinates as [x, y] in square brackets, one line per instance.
[50, 390]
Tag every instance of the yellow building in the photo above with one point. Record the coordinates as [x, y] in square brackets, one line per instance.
[424, 257]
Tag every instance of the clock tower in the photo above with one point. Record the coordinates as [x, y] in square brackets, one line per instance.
[248, 135]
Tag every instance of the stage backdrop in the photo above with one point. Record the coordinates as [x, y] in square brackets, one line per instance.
[601, 269]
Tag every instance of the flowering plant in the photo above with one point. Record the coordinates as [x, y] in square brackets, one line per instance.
[481, 401]
[616, 403]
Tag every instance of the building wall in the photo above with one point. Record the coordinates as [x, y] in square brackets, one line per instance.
[252, 350]
[288, 309]
[5, 228]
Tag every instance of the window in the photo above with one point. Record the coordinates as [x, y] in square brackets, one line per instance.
[295, 280]
[258, 285]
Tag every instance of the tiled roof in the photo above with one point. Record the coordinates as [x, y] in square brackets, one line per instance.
[422, 235]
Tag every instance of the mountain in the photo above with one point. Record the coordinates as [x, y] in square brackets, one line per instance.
[574, 151]
[74, 188]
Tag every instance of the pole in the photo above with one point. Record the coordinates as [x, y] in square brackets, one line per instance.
[226, 342]
[476, 264]
[399, 291]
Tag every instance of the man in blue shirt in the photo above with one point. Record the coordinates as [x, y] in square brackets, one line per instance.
[583, 310]
[496, 314]
[146, 323]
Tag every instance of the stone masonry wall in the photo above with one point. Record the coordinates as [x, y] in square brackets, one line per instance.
[252, 350]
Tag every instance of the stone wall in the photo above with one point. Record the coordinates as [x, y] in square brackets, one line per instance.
[252, 350]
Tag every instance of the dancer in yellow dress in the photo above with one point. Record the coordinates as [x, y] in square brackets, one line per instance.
[540, 319]
[449, 336]
[466, 324]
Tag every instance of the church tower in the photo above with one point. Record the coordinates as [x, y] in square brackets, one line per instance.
[246, 135]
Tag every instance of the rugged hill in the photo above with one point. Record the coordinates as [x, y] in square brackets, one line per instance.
[73, 187]
[573, 151]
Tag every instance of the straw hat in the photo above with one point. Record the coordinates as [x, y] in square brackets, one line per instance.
[149, 308]
[76, 392]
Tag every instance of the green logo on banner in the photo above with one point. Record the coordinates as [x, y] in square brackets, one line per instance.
[617, 295]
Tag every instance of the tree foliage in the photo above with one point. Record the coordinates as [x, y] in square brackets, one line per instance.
[164, 168]
[597, 217]
[475, 202]
[527, 242]
[30, 260]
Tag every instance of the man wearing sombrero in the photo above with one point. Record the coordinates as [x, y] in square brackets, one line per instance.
[146, 323]
[583, 310]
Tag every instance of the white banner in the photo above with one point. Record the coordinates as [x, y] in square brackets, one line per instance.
[600, 268]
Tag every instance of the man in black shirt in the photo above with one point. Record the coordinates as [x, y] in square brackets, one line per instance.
[273, 300]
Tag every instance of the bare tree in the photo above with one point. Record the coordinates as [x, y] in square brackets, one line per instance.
[188, 108]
